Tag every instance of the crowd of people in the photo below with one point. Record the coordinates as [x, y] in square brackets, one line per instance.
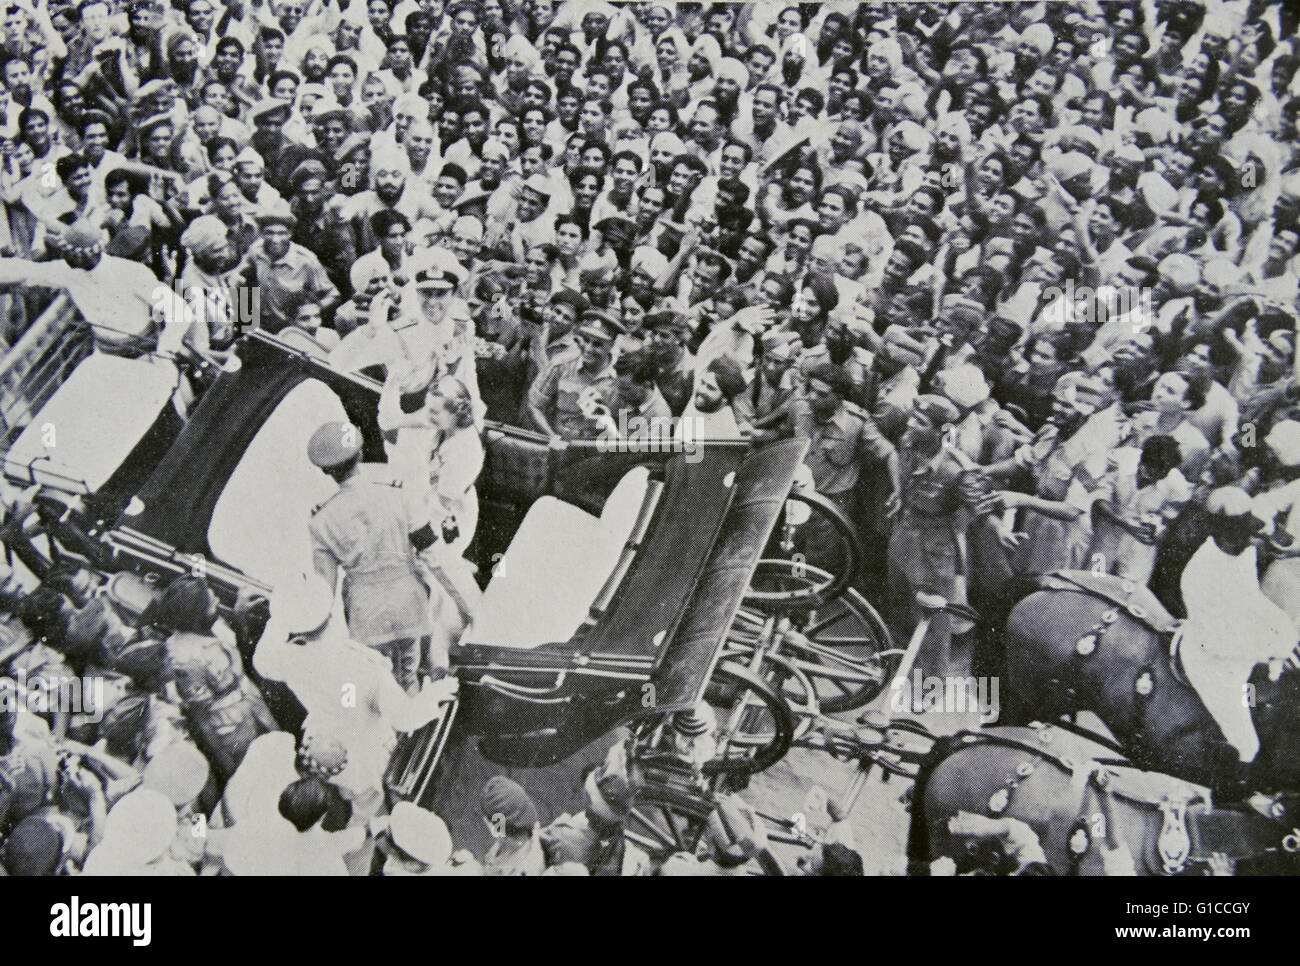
[1023, 275]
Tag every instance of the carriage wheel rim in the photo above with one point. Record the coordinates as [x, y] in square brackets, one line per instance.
[785, 725]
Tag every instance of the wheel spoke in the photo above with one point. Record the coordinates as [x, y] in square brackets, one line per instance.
[671, 818]
[649, 827]
[827, 622]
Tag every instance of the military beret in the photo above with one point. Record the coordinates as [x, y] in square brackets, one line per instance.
[937, 409]
[333, 444]
[269, 218]
[599, 326]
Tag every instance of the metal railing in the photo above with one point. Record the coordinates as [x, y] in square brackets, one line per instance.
[39, 362]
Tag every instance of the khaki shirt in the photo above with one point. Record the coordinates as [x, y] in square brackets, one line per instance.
[365, 530]
[556, 393]
[935, 487]
[839, 446]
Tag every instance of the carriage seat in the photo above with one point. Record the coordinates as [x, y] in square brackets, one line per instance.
[543, 587]
[517, 468]
[304, 341]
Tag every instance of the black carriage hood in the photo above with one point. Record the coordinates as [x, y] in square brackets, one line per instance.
[665, 627]
[687, 583]
[181, 494]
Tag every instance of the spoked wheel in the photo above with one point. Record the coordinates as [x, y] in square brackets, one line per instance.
[787, 579]
[665, 820]
[755, 724]
[841, 651]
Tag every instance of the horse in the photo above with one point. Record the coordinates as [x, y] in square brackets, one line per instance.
[1068, 788]
[1093, 642]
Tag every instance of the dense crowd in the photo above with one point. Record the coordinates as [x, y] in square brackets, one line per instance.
[1023, 275]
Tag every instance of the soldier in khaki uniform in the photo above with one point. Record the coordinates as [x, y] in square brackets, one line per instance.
[940, 488]
[554, 400]
[923, 547]
[365, 529]
[845, 443]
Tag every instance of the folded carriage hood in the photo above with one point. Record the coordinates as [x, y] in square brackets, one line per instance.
[665, 627]
[686, 658]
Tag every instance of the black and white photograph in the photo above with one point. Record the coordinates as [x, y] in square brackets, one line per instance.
[651, 438]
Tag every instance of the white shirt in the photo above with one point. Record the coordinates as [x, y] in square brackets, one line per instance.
[349, 693]
[120, 300]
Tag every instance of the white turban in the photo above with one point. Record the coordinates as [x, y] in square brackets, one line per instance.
[1039, 36]
[1284, 440]
[1229, 501]
[732, 69]
[1180, 271]
[707, 47]
[668, 141]
[1156, 124]
[799, 43]
[1158, 193]
[206, 231]
[889, 49]
[956, 123]
[1129, 152]
[493, 148]
[318, 43]
[413, 104]
[1220, 272]
[392, 88]
[518, 48]
[914, 136]
[249, 156]
[650, 260]
[389, 159]
[139, 829]
[965, 385]
[1071, 164]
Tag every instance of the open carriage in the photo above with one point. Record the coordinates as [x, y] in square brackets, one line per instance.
[619, 586]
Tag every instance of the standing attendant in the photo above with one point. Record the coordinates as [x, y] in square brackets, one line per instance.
[365, 531]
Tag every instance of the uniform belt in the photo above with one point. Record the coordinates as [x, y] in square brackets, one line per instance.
[933, 521]
[387, 576]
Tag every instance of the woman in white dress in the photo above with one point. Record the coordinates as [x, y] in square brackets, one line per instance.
[437, 452]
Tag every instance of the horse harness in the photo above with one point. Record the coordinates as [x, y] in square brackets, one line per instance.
[1190, 827]
[1123, 595]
